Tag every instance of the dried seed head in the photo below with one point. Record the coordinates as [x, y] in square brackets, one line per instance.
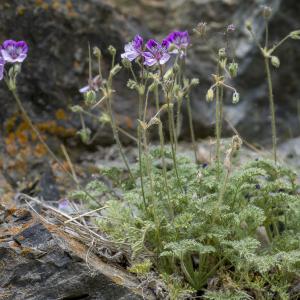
[222, 52]
[266, 12]
[201, 29]
[97, 52]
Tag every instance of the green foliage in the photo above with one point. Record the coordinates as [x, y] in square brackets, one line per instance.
[196, 233]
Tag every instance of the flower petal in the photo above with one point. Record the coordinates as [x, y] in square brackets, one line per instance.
[153, 45]
[165, 57]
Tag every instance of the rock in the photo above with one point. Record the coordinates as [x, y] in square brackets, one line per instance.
[251, 116]
[58, 32]
[40, 261]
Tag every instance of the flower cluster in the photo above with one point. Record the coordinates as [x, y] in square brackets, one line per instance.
[12, 52]
[155, 53]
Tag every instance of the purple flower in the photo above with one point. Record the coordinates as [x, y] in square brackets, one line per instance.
[94, 85]
[180, 41]
[133, 49]
[157, 54]
[14, 52]
[231, 28]
[2, 63]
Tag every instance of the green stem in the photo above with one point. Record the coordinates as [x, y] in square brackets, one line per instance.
[140, 154]
[217, 129]
[115, 129]
[171, 133]
[192, 132]
[272, 108]
[178, 120]
[162, 150]
[157, 99]
[218, 126]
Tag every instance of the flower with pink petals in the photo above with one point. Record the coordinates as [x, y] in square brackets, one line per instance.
[133, 49]
[93, 85]
[157, 54]
[2, 63]
[180, 41]
[14, 52]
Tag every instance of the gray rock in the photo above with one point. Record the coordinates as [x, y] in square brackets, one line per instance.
[41, 262]
[58, 33]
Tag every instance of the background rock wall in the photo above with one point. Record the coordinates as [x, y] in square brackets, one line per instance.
[58, 32]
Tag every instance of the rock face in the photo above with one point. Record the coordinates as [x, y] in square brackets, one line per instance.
[41, 262]
[58, 32]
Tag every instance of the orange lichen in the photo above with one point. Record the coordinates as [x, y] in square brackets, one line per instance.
[40, 150]
[60, 114]
[22, 137]
[10, 143]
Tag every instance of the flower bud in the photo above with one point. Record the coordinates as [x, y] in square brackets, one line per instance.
[266, 12]
[115, 70]
[112, 50]
[194, 81]
[248, 25]
[76, 108]
[235, 97]
[210, 95]
[275, 61]
[104, 118]
[168, 74]
[97, 52]
[85, 135]
[233, 69]
[295, 35]
[222, 52]
[131, 84]
[90, 98]
[126, 63]
[223, 63]
[17, 69]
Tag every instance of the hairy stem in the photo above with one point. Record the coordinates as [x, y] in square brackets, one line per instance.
[140, 153]
[217, 129]
[171, 133]
[272, 109]
[115, 129]
[162, 150]
[192, 132]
